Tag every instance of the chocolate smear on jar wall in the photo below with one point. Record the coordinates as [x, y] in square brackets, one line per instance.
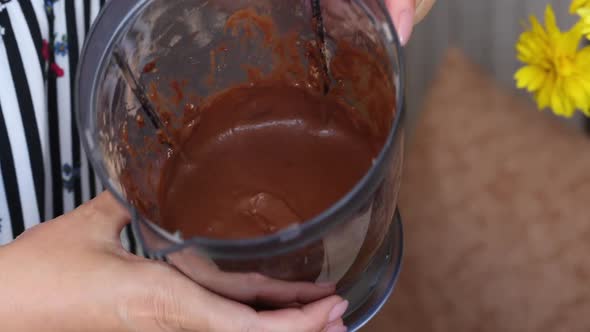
[273, 150]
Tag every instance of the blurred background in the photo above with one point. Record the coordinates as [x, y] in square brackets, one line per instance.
[486, 30]
[494, 195]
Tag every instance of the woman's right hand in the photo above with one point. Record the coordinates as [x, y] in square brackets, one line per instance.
[407, 13]
[72, 274]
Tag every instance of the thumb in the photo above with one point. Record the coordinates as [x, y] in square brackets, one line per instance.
[104, 214]
[402, 12]
[407, 13]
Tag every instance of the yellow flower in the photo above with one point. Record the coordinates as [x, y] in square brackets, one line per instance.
[579, 4]
[585, 14]
[582, 8]
[556, 71]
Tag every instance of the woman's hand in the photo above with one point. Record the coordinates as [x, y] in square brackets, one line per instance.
[72, 274]
[406, 13]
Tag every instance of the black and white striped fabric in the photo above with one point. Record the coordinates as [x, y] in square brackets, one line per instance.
[43, 170]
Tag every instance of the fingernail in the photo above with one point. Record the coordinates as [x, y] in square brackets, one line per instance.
[337, 328]
[338, 311]
[405, 25]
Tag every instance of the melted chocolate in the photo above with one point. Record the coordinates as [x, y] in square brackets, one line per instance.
[262, 158]
[268, 152]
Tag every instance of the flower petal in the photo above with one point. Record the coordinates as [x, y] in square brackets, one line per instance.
[576, 93]
[551, 22]
[545, 93]
[577, 4]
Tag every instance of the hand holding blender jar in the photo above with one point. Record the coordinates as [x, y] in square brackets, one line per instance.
[271, 175]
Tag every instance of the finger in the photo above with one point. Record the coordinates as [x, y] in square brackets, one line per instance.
[183, 305]
[422, 8]
[315, 317]
[281, 293]
[324, 315]
[192, 308]
[258, 289]
[402, 12]
[251, 288]
[337, 326]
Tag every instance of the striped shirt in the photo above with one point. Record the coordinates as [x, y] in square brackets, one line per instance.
[43, 169]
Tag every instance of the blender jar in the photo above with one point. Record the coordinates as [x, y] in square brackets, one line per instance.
[352, 248]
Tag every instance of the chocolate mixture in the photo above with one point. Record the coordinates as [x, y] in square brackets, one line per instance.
[274, 151]
[263, 158]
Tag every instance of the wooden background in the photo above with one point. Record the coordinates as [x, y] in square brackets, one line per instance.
[486, 30]
[496, 216]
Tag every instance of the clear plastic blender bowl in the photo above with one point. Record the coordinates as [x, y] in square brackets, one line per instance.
[352, 248]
